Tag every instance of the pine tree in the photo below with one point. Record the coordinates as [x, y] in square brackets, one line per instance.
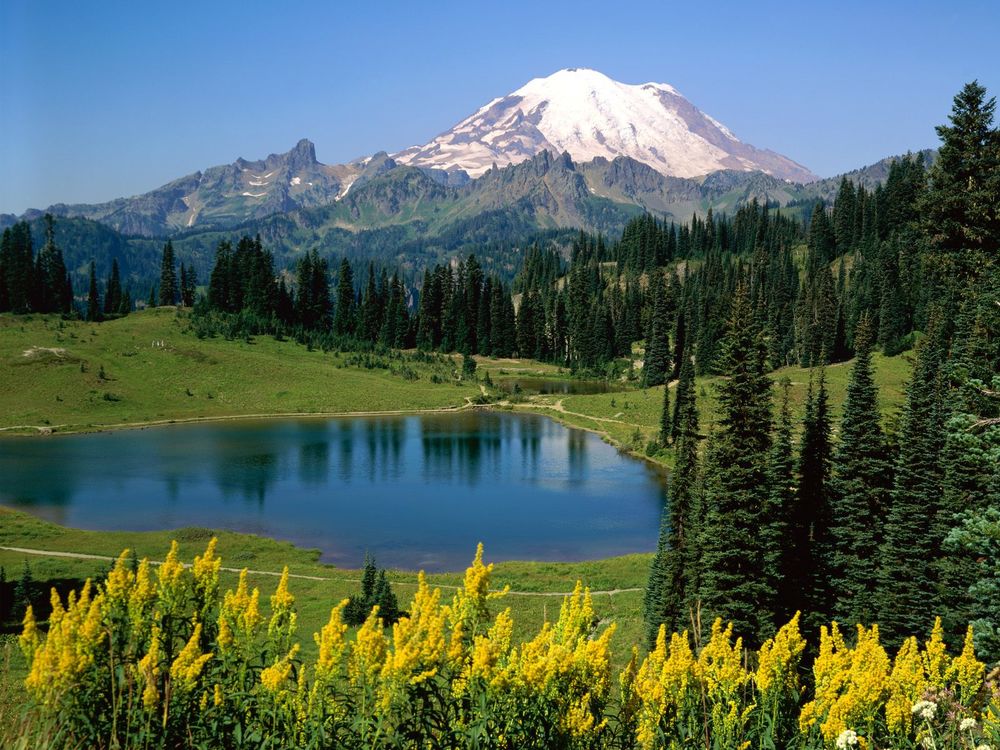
[52, 292]
[780, 502]
[151, 301]
[961, 208]
[656, 364]
[665, 419]
[907, 593]
[736, 492]
[190, 286]
[344, 317]
[685, 395]
[113, 291]
[23, 590]
[657, 603]
[93, 298]
[168, 276]
[859, 486]
[807, 553]
[672, 588]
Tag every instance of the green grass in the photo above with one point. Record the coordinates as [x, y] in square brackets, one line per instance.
[617, 416]
[58, 383]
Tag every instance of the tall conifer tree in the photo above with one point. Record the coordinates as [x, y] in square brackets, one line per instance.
[859, 486]
[733, 585]
[168, 276]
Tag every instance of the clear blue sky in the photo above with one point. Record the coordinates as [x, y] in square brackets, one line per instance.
[106, 99]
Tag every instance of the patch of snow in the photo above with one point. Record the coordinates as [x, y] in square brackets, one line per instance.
[256, 195]
[343, 190]
[296, 181]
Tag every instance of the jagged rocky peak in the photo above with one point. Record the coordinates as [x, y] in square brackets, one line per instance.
[584, 113]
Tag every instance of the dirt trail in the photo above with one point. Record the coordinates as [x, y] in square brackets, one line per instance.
[105, 558]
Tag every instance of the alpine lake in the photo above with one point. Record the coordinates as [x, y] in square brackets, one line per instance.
[416, 491]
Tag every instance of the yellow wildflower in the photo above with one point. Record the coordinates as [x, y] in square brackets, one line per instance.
[368, 652]
[966, 672]
[282, 624]
[579, 718]
[239, 617]
[30, 639]
[418, 640]
[206, 576]
[186, 669]
[149, 672]
[778, 660]
[907, 683]
[936, 657]
[275, 676]
[331, 643]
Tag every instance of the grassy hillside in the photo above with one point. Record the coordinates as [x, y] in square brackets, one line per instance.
[632, 419]
[147, 367]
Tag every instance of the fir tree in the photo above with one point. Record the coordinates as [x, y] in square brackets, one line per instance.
[23, 590]
[113, 291]
[672, 588]
[907, 592]
[961, 208]
[859, 486]
[736, 491]
[780, 502]
[665, 418]
[805, 559]
[656, 364]
[685, 395]
[93, 298]
[168, 276]
[344, 317]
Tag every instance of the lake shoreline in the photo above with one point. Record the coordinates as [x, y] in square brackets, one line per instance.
[16, 432]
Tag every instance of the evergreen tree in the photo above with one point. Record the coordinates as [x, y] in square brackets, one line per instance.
[219, 294]
[805, 559]
[859, 486]
[189, 286]
[736, 492]
[672, 588]
[344, 317]
[657, 602]
[685, 395]
[780, 502]
[52, 291]
[656, 365]
[168, 276]
[665, 419]
[151, 302]
[23, 589]
[961, 208]
[385, 599]
[907, 593]
[113, 291]
[93, 298]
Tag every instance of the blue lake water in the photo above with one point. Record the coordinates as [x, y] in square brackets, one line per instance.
[418, 491]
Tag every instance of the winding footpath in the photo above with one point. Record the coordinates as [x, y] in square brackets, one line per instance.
[105, 558]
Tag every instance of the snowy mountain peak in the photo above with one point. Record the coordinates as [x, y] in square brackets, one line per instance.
[585, 113]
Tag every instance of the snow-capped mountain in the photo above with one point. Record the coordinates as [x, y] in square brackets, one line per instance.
[588, 115]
